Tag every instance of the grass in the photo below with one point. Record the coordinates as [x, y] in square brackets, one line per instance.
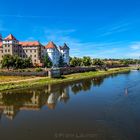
[66, 78]
[12, 78]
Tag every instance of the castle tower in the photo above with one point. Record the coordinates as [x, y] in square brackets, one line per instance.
[10, 45]
[53, 53]
[65, 53]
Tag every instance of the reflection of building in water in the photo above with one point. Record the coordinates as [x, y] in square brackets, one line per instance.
[12, 102]
[57, 94]
[10, 111]
[65, 95]
[52, 100]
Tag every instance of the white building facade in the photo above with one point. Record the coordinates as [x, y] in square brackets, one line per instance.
[55, 53]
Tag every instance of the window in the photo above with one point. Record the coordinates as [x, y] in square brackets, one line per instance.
[34, 50]
[34, 55]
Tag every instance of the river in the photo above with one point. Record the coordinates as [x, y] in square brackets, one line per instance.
[103, 108]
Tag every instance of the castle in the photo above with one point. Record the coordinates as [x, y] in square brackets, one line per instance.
[33, 49]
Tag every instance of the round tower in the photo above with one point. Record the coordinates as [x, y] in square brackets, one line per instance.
[65, 53]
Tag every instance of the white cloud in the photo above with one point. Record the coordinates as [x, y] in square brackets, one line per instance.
[135, 46]
[115, 28]
[106, 49]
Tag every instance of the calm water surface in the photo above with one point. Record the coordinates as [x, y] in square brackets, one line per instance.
[104, 108]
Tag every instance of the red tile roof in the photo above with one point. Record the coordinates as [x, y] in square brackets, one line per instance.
[50, 45]
[10, 37]
[33, 43]
[0, 44]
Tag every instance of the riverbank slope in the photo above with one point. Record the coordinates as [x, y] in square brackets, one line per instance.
[36, 81]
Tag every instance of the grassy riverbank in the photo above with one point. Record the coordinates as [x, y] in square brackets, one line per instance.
[45, 80]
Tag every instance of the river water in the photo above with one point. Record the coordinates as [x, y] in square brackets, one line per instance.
[103, 108]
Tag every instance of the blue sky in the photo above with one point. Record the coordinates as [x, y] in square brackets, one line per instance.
[96, 28]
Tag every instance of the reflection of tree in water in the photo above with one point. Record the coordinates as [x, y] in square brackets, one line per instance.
[76, 88]
[16, 99]
[86, 85]
[83, 85]
[98, 81]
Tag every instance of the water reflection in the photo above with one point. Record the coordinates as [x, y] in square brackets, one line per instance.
[12, 102]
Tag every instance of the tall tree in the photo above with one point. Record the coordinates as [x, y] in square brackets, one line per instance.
[7, 61]
[61, 62]
[47, 61]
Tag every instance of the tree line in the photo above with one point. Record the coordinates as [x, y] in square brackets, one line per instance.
[16, 62]
[88, 61]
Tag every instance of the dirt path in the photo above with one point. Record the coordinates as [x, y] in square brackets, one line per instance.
[24, 80]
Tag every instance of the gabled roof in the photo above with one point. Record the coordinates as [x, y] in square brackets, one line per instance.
[10, 37]
[50, 45]
[31, 43]
[64, 47]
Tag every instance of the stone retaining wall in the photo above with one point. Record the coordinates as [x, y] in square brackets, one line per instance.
[69, 70]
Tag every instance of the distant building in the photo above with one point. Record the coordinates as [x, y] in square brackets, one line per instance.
[33, 49]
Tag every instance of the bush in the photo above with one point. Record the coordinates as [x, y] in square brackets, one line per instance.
[38, 70]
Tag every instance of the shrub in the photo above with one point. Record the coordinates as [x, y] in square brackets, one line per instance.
[38, 70]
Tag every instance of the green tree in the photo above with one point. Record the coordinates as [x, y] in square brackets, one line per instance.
[86, 61]
[75, 61]
[18, 62]
[15, 62]
[47, 62]
[97, 62]
[61, 62]
[7, 61]
[27, 63]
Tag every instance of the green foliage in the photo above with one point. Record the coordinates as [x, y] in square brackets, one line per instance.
[10, 61]
[47, 62]
[86, 61]
[7, 61]
[98, 62]
[61, 62]
[75, 61]
[38, 70]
